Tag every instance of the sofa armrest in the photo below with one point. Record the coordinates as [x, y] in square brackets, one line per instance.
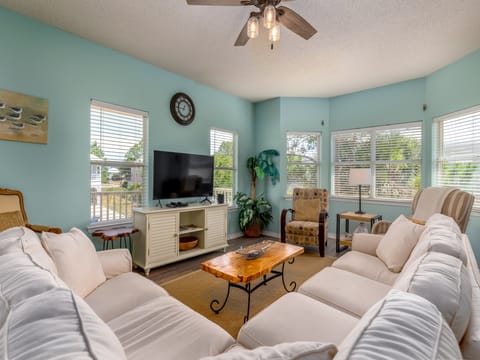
[366, 243]
[115, 262]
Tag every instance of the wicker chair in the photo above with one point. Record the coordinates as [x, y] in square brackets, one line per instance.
[308, 224]
[458, 205]
[12, 212]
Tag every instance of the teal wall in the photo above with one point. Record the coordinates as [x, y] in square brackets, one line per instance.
[69, 71]
[42, 61]
[273, 119]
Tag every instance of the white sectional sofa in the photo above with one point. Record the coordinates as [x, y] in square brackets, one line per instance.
[73, 303]
[60, 299]
[346, 304]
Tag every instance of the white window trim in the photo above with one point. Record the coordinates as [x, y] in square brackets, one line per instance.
[371, 197]
[146, 116]
[319, 162]
[235, 160]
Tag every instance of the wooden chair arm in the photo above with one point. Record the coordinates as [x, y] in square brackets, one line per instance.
[283, 223]
[41, 228]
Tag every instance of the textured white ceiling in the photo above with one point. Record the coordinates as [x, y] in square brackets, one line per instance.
[360, 44]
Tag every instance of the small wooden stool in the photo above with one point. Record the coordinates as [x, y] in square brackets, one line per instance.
[122, 234]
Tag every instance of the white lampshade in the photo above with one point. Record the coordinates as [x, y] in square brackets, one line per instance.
[269, 16]
[252, 27]
[360, 177]
[274, 33]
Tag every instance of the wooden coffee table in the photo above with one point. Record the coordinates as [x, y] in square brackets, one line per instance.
[240, 272]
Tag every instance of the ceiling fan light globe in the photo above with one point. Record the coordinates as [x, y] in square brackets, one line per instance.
[252, 27]
[274, 33]
[269, 17]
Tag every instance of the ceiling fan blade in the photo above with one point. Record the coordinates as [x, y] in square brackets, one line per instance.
[295, 23]
[242, 38]
[219, 2]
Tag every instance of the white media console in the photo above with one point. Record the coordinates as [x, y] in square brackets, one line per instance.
[160, 230]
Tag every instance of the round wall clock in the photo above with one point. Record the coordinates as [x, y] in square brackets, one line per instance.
[182, 108]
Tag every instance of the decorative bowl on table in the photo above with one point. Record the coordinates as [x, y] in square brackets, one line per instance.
[255, 251]
[187, 243]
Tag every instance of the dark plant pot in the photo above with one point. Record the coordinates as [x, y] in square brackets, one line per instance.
[253, 230]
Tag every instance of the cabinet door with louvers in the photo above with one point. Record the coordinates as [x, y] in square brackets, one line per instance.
[216, 230]
[163, 237]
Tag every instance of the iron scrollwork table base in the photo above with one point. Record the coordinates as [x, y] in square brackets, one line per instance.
[249, 289]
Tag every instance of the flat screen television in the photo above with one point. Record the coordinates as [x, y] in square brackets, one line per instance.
[180, 175]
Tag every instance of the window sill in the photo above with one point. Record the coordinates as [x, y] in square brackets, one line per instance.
[109, 225]
[373, 201]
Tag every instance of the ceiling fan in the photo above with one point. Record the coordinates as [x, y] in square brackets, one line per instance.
[272, 15]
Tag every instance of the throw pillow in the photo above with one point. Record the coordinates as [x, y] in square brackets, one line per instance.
[401, 326]
[398, 242]
[444, 281]
[11, 219]
[76, 260]
[307, 210]
[301, 350]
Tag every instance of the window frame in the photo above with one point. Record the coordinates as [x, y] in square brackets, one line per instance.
[93, 225]
[439, 156]
[234, 167]
[369, 192]
[318, 134]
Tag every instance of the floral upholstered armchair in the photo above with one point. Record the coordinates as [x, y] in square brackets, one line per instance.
[12, 212]
[308, 224]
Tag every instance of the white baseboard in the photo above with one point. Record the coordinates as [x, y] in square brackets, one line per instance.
[271, 233]
[234, 235]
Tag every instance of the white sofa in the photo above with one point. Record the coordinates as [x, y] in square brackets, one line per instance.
[347, 304]
[52, 306]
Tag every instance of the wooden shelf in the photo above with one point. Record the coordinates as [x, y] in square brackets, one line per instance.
[190, 230]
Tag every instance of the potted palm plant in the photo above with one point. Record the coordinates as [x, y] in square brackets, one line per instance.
[256, 211]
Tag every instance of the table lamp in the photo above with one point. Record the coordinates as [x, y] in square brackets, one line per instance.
[360, 177]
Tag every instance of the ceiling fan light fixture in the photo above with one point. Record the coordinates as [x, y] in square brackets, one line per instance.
[253, 27]
[274, 33]
[269, 17]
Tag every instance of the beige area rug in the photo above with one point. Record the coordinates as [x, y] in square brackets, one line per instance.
[199, 288]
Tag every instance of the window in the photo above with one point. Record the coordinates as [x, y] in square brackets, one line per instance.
[303, 160]
[457, 151]
[223, 148]
[117, 162]
[394, 153]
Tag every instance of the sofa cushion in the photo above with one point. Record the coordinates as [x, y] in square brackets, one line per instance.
[23, 240]
[444, 281]
[401, 326]
[301, 350]
[439, 240]
[11, 219]
[296, 317]
[344, 290]
[398, 242]
[21, 279]
[110, 299]
[444, 222]
[57, 325]
[307, 209]
[76, 260]
[165, 328]
[305, 228]
[366, 265]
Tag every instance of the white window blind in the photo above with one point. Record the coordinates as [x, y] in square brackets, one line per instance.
[394, 153]
[223, 148]
[303, 160]
[117, 162]
[457, 151]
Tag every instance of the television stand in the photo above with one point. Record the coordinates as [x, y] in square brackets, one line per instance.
[206, 200]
